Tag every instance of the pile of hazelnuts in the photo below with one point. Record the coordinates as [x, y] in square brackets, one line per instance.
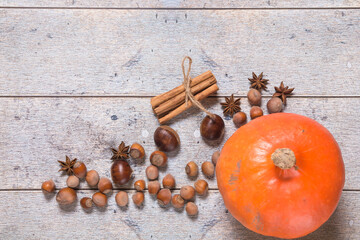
[167, 140]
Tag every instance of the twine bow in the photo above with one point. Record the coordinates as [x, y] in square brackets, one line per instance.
[188, 94]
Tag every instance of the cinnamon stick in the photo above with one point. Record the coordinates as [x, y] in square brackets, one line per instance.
[157, 100]
[201, 95]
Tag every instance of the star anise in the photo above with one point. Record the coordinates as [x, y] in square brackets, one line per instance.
[121, 153]
[231, 106]
[258, 82]
[67, 165]
[282, 92]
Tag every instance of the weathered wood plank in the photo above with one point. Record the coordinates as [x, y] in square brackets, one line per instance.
[119, 52]
[181, 4]
[35, 132]
[30, 215]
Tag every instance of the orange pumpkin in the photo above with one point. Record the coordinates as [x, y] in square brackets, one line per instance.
[281, 175]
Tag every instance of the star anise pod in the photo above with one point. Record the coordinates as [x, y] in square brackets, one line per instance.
[121, 153]
[258, 82]
[231, 106]
[282, 92]
[67, 165]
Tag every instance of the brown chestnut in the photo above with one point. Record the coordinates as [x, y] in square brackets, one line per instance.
[92, 178]
[187, 192]
[105, 186]
[166, 138]
[152, 172]
[137, 151]
[191, 209]
[168, 181]
[121, 172]
[48, 186]
[255, 112]
[72, 181]
[138, 198]
[239, 119]
[153, 187]
[191, 169]
[274, 105]
[86, 202]
[122, 198]
[158, 158]
[201, 187]
[164, 197]
[139, 185]
[99, 199]
[66, 196]
[79, 170]
[177, 201]
[254, 97]
[215, 157]
[212, 129]
[208, 169]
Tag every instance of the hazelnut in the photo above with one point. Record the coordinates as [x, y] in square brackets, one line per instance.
[239, 119]
[105, 186]
[152, 172]
[72, 181]
[66, 196]
[158, 158]
[138, 198]
[168, 181]
[99, 199]
[166, 138]
[164, 197]
[215, 157]
[274, 105]
[153, 187]
[254, 97]
[187, 192]
[121, 172]
[79, 170]
[191, 169]
[255, 112]
[212, 129]
[137, 151]
[201, 187]
[92, 178]
[208, 169]
[191, 209]
[177, 201]
[122, 198]
[86, 202]
[48, 186]
[139, 185]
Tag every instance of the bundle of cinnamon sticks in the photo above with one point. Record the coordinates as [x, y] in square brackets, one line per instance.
[172, 103]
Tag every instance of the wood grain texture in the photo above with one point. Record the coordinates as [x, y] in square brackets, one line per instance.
[138, 53]
[182, 4]
[36, 132]
[42, 218]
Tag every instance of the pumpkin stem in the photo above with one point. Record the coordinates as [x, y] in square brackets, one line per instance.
[284, 158]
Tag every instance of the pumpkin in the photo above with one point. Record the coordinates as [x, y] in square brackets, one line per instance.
[281, 175]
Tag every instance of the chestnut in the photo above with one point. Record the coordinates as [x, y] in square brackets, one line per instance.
[66, 196]
[48, 186]
[105, 186]
[215, 157]
[208, 169]
[177, 201]
[187, 192]
[212, 129]
[86, 202]
[138, 198]
[168, 181]
[255, 112]
[92, 178]
[254, 97]
[72, 181]
[99, 199]
[158, 158]
[139, 185]
[121, 172]
[152, 172]
[166, 138]
[191, 169]
[122, 198]
[201, 187]
[137, 151]
[191, 209]
[79, 170]
[275, 105]
[164, 197]
[239, 119]
[153, 187]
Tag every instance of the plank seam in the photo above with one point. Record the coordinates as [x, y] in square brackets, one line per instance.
[179, 9]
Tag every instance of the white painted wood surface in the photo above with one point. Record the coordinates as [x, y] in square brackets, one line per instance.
[78, 81]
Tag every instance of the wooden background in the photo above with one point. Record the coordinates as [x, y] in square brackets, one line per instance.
[76, 78]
